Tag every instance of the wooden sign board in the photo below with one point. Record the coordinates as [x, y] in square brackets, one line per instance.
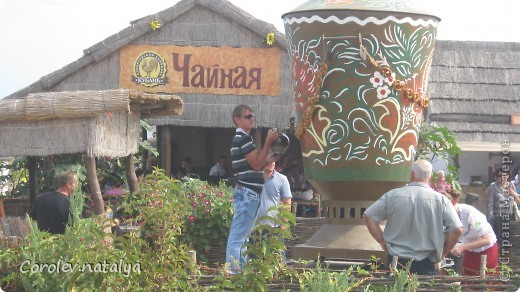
[211, 70]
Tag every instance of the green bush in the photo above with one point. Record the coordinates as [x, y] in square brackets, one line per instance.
[152, 258]
[265, 261]
[208, 215]
[321, 279]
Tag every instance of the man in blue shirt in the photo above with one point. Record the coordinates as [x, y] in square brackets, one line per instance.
[415, 218]
[276, 190]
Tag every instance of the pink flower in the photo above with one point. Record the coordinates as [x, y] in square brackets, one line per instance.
[208, 210]
[191, 218]
[194, 204]
[219, 194]
[152, 203]
[159, 203]
[188, 196]
[203, 195]
[231, 199]
[207, 202]
[139, 223]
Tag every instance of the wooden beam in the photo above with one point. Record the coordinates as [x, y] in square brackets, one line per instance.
[93, 184]
[32, 167]
[144, 156]
[166, 149]
[133, 184]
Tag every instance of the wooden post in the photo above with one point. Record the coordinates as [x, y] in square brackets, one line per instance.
[144, 157]
[483, 264]
[2, 212]
[32, 167]
[133, 184]
[393, 264]
[93, 184]
[166, 150]
[192, 256]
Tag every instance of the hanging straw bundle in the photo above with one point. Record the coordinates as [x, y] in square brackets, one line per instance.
[57, 105]
[81, 104]
[12, 109]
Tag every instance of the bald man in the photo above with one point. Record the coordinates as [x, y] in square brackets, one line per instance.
[415, 218]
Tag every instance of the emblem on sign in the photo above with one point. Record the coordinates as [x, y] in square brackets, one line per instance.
[150, 69]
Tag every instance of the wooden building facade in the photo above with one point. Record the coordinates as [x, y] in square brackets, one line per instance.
[211, 54]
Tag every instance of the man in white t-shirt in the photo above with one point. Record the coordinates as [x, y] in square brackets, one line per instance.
[218, 169]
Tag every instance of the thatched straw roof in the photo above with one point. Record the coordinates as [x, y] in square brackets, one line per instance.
[98, 123]
[474, 89]
[215, 23]
[113, 135]
[81, 104]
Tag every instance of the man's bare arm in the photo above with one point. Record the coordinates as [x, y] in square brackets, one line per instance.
[451, 241]
[376, 231]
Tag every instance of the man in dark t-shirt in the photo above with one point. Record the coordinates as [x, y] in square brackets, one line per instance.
[247, 162]
[51, 210]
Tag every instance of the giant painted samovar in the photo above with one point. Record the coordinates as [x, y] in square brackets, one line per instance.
[360, 70]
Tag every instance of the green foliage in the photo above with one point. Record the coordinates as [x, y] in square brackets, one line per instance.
[321, 279]
[438, 142]
[375, 262]
[150, 259]
[516, 280]
[15, 178]
[54, 172]
[144, 144]
[451, 272]
[265, 256]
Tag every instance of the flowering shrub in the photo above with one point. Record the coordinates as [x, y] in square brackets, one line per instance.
[208, 215]
[151, 258]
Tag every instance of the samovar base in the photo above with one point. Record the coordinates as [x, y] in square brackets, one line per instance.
[345, 241]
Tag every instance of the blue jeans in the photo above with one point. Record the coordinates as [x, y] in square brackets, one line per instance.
[245, 206]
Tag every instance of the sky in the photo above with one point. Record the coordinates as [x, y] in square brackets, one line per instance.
[39, 37]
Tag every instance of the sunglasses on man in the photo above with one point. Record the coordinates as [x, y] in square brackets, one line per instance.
[249, 116]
